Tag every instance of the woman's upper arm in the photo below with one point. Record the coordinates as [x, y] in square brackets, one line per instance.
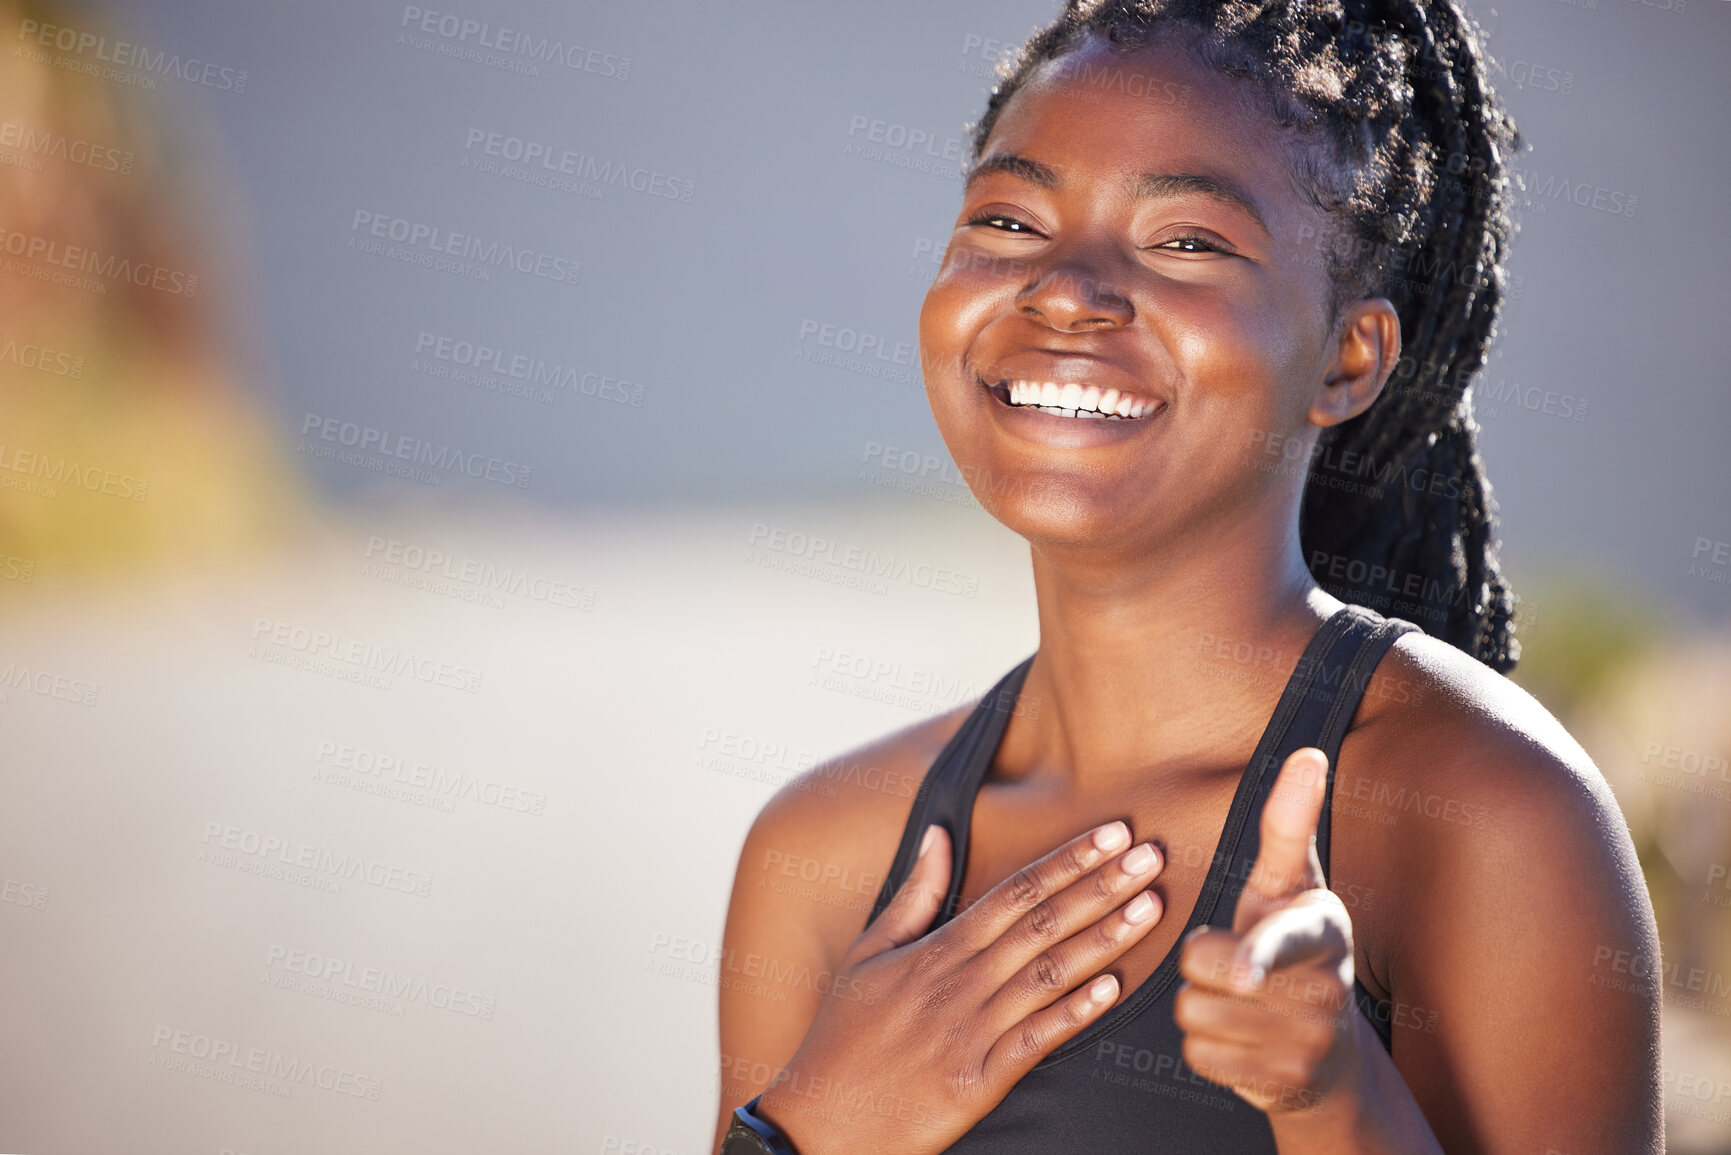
[808, 874]
[772, 938]
[1521, 1032]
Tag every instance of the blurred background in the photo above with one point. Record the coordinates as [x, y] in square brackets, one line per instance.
[412, 422]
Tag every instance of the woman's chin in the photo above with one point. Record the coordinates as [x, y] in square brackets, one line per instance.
[1059, 514]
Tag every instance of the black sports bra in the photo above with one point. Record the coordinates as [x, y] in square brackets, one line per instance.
[1122, 1084]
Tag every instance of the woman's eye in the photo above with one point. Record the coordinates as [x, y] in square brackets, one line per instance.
[1189, 244]
[1001, 222]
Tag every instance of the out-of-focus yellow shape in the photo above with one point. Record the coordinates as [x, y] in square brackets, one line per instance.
[128, 436]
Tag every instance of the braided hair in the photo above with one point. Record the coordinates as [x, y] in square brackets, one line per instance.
[1400, 140]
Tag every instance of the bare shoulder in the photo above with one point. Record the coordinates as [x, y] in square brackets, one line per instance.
[1515, 915]
[1463, 800]
[829, 836]
[1437, 719]
[808, 874]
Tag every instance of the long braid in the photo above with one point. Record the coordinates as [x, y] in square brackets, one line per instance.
[1404, 145]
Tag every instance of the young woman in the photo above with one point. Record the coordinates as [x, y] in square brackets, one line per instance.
[1227, 864]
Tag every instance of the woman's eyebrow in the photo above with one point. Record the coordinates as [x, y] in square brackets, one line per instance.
[1031, 171]
[1152, 185]
[1160, 185]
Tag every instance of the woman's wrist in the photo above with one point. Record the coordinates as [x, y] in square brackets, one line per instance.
[1368, 1109]
[776, 1108]
[750, 1133]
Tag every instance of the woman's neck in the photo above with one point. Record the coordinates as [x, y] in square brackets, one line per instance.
[1167, 659]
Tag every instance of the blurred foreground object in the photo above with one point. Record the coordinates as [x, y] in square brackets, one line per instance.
[128, 438]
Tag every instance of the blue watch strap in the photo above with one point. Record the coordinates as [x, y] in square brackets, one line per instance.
[766, 1132]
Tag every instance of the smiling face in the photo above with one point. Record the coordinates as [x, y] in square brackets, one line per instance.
[1138, 248]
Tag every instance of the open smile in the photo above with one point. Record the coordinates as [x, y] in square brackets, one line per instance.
[1070, 399]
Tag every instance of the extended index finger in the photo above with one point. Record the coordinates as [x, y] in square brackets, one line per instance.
[984, 922]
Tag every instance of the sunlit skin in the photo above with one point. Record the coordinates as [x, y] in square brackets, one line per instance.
[1147, 536]
[1217, 310]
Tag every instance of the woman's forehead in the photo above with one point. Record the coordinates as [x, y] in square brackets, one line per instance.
[1100, 113]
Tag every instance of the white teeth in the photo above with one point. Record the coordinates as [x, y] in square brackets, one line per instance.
[1073, 399]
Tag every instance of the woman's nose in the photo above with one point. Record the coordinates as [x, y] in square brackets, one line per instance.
[1072, 296]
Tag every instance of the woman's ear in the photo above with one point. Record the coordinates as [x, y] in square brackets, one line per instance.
[1367, 347]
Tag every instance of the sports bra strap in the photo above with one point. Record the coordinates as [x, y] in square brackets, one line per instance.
[946, 793]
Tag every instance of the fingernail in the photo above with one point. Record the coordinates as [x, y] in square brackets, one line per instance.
[1192, 933]
[1103, 988]
[926, 842]
[1111, 836]
[1140, 860]
[1141, 908]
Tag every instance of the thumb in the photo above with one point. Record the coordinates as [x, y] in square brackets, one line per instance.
[1286, 861]
[914, 907]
